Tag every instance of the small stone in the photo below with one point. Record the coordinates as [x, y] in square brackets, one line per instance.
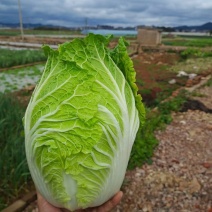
[194, 186]
[192, 133]
[207, 165]
[192, 76]
[175, 161]
[202, 170]
[137, 174]
[182, 74]
[183, 122]
[173, 81]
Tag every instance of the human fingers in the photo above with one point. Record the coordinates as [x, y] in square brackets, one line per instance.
[110, 204]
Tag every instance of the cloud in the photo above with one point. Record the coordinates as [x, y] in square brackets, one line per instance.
[110, 12]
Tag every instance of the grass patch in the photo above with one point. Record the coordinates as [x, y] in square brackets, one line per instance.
[9, 58]
[195, 53]
[189, 41]
[13, 165]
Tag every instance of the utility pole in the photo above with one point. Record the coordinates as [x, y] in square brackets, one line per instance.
[20, 19]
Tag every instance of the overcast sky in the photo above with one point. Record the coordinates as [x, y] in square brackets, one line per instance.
[108, 12]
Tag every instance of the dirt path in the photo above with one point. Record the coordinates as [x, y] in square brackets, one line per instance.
[180, 178]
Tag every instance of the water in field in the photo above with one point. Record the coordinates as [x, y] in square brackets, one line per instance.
[16, 79]
[110, 32]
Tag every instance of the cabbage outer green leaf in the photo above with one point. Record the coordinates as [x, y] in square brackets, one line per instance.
[81, 122]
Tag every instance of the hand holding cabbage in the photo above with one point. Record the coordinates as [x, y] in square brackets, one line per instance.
[81, 122]
[44, 206]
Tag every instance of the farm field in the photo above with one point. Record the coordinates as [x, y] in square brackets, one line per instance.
[19, 78]
[158, 78]
[10, 58]
[189, 41]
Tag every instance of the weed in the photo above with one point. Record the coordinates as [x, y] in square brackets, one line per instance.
[140, 82]
[174, 104]
[145, 143]
[191, 52]
[195, 53]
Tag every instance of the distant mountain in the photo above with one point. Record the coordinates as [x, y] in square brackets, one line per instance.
[29, 25]
[207, 26]
[15, 25]
[204, 27]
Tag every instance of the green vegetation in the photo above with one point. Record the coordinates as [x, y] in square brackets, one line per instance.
[143, 149]
[5, 32]
[165, 108]
[9, 58]
[189, 41]
[13, 165]
[195, 53]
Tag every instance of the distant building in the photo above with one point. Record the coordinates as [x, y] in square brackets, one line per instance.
[148, 36]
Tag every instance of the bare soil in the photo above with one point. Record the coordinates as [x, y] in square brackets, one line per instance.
[153, 74]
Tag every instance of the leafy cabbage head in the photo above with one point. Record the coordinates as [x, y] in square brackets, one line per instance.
[81, 122]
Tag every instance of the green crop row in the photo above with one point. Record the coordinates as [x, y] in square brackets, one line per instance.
[190, 42]
[9, 58]
[195, 53]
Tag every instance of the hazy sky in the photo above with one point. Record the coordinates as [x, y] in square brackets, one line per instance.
[108, 12]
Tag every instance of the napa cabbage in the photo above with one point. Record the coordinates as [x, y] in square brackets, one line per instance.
[81, 122]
